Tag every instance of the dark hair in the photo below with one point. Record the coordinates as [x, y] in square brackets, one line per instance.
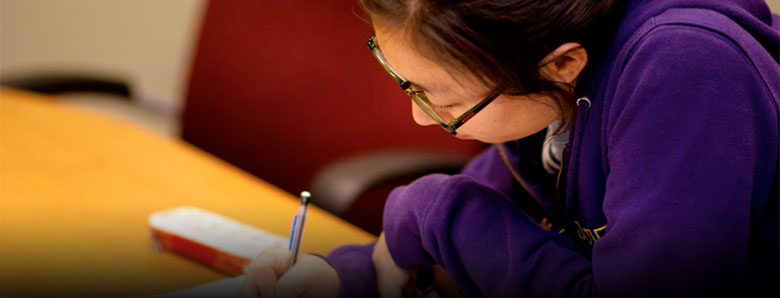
[502, 42]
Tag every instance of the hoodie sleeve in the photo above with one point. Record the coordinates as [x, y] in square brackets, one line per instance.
[353, 262]
[487, 244]
[684, 153]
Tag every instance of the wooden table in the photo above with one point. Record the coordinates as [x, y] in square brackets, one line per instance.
[76, 189]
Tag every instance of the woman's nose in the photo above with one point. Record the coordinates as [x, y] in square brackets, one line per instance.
[420, 116]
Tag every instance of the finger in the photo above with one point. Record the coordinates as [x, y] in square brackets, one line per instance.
[248, 289]
[274, 257]
[311, 277]
[391, 279]
[265, 269]
[263, 280]
[295, 282]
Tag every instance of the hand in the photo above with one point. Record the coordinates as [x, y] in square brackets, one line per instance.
[392, 280]
[311, 276]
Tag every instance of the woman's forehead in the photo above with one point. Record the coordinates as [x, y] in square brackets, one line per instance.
[418, 69]
[397, 49]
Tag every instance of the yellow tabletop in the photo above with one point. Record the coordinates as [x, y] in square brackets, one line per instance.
[76, 189]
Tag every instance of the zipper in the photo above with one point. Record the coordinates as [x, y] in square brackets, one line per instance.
[583, 105]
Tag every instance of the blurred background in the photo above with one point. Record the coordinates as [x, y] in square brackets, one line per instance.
[285, 90]
[147, 43]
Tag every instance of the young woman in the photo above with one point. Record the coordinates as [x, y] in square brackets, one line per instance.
[636, 153]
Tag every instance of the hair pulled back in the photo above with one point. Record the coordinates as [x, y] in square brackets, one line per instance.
[502, 42]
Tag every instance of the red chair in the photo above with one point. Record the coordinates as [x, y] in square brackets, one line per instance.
[288, 91]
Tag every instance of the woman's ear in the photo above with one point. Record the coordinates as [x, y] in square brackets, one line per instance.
[565, 63]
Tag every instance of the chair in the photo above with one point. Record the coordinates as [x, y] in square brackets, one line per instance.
[288, 89]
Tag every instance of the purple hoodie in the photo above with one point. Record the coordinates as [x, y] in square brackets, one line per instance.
[669, 185]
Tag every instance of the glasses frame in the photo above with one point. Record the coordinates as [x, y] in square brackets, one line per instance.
[421, 99]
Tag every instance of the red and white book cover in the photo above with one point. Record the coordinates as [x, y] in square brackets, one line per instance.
[210, 238]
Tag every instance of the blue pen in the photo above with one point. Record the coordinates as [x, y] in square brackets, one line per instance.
[296, 235]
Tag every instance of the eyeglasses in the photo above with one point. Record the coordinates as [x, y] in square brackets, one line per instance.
[446, 121]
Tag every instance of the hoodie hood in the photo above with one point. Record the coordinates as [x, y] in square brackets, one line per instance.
[753, 15]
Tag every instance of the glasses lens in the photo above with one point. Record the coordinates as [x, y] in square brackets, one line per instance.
[441, 117]
[421, 100]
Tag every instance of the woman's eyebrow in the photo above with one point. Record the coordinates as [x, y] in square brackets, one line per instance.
[432, 89]
[418, 85]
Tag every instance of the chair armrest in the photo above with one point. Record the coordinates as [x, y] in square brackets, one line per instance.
[338, 185]
[54, 83]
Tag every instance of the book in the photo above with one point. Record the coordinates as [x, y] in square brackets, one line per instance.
[209, 238]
